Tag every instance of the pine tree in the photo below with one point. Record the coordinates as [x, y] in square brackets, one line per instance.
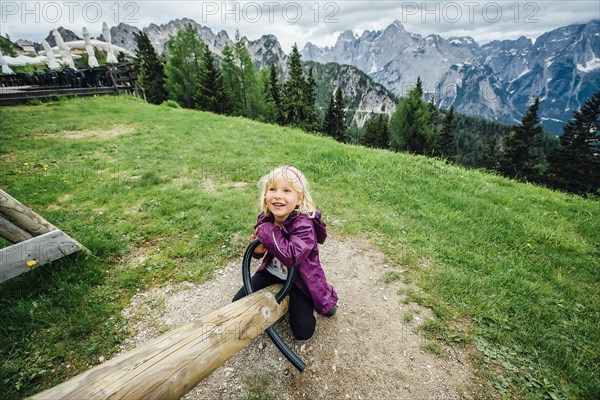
[340, 115]
[489, 158]
[409, 126]
[273, 96]
[231, 77]
[151, 73]
[334, 124]
[6, 46]
[294, 101]
[249, 88]
[211, 94]
[384, 133]
[419, 87]
[432, 112]
[329, 122]
[575, 165]
[310, 122]
[369, 137]
[376, 132]
[183, 54]
[446, 146]
[521, 156]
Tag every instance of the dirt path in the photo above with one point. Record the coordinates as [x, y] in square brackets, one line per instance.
[367, 351]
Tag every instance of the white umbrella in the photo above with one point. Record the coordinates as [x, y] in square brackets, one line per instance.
[110, 54]
[92, 60]
[52, 64]
[24, 60]
[97, 44]
[4, 64]
[65, 52]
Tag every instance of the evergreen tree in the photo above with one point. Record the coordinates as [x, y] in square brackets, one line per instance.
[376, 132]
[340, 109]
[334, 123]
[521, 157]
[384, 133]
[249, 88]
[183, 53]
[575, 165]
[329, 122]
[432, 112]
[211, 94]
[409, 126]
[446, 146]
[273, 96]
[231, 77]
[310, 95]
[151, 73]
[419, 87]
[6, 46]
[294, 103]
[489, 158]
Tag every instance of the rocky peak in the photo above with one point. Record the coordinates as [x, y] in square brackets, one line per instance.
[123, 35]
[347, 36]
[66, 34]
[396, 26]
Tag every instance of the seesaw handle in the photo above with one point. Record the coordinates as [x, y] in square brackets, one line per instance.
[285, 350]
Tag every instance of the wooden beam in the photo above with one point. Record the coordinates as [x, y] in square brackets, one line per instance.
[37, 251]
[23, 216]
[11, 232]
[171, 365]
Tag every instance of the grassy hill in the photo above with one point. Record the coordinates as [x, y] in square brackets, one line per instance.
[515, 264]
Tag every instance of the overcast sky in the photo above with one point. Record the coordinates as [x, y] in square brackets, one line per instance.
[319, 22]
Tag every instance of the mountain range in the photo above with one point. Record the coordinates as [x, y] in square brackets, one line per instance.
[495, 81]
[362, 94]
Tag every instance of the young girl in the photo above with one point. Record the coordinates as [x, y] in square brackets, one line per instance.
[289, 228]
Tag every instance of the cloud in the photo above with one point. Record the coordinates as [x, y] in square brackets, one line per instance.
[319, 22]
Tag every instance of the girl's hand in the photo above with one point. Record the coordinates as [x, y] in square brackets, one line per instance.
[260, 249]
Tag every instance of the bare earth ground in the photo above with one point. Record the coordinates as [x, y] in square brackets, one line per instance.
[366, 351]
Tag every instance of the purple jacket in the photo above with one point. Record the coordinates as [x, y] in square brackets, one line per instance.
[295, 245]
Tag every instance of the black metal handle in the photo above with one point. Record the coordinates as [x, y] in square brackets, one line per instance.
[285, 350]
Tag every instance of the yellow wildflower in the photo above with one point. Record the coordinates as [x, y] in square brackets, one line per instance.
[31, 263]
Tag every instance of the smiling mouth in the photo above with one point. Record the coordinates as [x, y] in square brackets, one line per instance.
[278, 204]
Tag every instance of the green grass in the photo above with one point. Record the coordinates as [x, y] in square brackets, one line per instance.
[257, 386]
[391, 276]
[435, 348]
[520, 262]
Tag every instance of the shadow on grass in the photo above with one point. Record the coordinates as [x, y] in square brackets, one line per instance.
[57, 320]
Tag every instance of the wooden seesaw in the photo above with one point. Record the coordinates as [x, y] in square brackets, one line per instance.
[172, 364]
[35, 241]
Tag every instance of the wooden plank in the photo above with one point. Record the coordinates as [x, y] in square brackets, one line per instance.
[172, 364]
[23, 216]
[11, 232]
[40, 249]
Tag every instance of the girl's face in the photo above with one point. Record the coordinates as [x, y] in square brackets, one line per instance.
[281, 199]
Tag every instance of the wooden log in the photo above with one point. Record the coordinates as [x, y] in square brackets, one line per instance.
[37, 251]
[23, 216]
[171, 365]
[11, 232]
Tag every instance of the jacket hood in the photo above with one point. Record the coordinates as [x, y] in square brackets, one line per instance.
[320, 228]
[318, 223]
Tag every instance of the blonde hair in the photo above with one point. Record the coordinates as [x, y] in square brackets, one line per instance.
[297, 180]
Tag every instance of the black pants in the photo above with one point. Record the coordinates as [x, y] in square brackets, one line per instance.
[302, 320]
